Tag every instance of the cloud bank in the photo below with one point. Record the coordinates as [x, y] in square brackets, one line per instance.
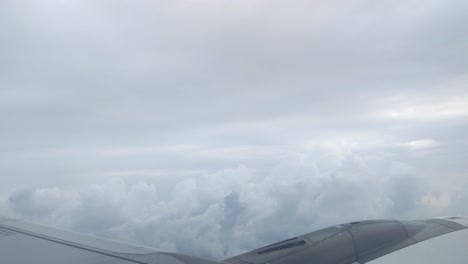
[224, 213]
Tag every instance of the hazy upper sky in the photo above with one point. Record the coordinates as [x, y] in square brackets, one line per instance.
[213, 127]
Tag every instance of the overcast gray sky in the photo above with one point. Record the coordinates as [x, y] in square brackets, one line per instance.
[213, 127]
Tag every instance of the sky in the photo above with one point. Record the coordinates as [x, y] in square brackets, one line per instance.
[214, 127]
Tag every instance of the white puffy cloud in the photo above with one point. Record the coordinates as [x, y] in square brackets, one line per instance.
[233, 210]
[45, 204]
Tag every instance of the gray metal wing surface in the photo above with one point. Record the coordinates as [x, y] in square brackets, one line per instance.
[435, 240]
[23, 242]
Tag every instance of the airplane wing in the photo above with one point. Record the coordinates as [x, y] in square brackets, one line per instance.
[22, 242]
[436, 240]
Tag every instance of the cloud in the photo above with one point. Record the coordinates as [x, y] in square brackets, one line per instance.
[45, 204]
[224, 213]
[429, 109]
[209, 127]
[420, 144]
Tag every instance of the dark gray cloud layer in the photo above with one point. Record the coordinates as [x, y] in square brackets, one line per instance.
[232, 123]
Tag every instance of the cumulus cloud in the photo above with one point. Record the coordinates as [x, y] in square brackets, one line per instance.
[224, 213]
[45, 204]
